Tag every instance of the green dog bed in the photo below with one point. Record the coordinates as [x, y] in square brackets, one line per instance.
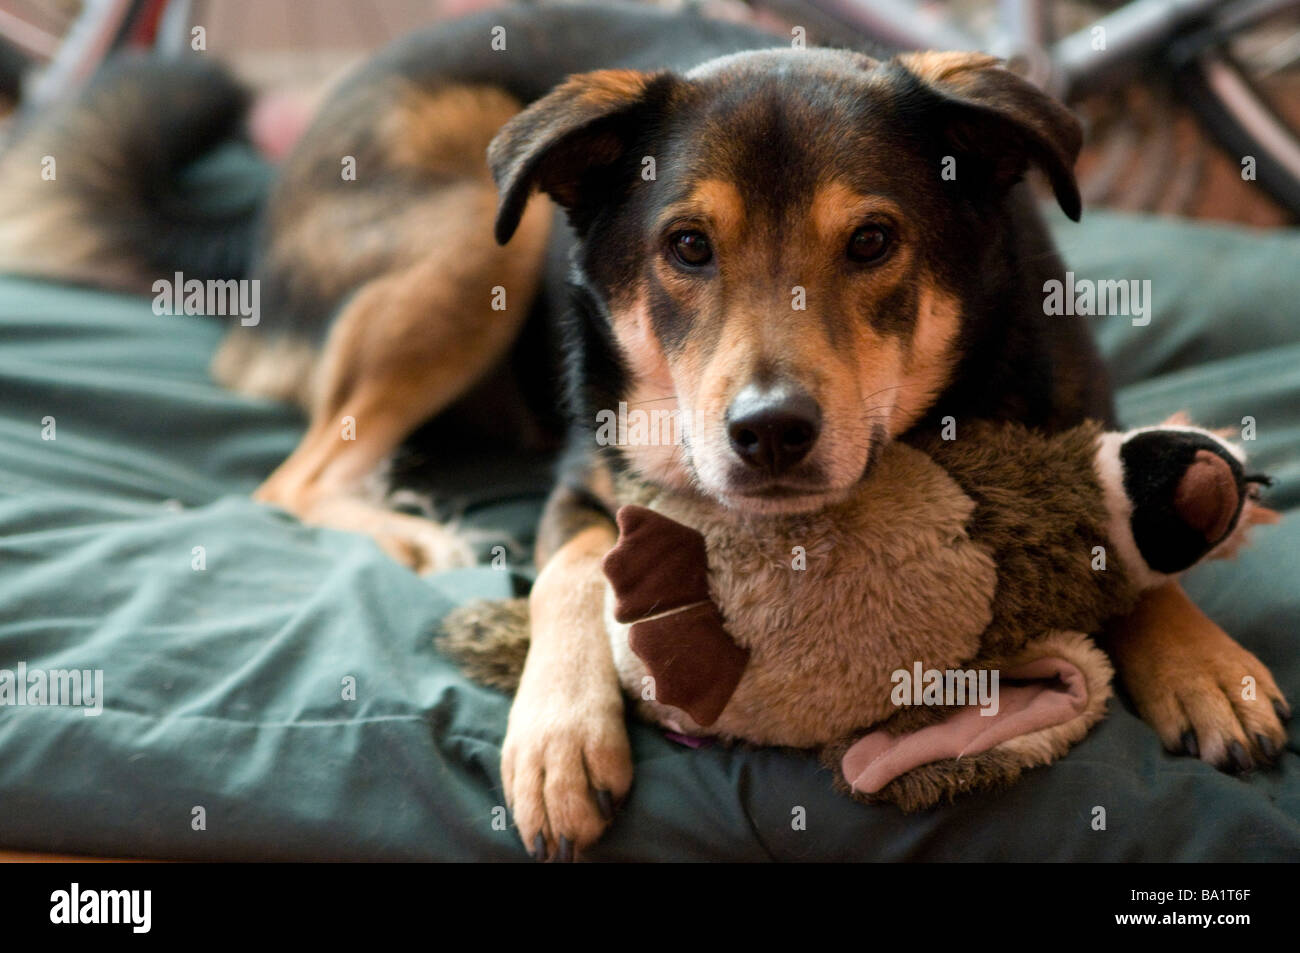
[283, 679]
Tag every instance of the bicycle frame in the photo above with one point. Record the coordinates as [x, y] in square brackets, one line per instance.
[1101, 56]
[102, 27]
[1129, 36]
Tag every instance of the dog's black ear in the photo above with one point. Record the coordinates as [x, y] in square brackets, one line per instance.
[584, 124]
[1003, 121]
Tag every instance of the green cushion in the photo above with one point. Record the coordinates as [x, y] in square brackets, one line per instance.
[224, 686]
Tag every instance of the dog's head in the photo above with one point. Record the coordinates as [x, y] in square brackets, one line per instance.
[780, 247]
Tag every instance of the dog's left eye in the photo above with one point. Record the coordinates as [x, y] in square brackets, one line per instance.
[870, 243]
[691, 248]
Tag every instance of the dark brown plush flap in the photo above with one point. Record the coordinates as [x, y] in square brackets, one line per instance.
[657, 565]
[694, 662]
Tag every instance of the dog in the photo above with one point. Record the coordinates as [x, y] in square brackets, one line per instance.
[801, 254]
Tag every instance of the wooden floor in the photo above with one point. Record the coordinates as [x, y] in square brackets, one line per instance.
[19, 857]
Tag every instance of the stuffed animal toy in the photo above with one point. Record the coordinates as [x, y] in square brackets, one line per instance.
[928, 633]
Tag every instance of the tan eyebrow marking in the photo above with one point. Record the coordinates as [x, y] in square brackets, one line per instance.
[836, 209]
[717, 202]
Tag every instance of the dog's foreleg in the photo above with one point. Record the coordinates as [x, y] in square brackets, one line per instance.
[566, 759]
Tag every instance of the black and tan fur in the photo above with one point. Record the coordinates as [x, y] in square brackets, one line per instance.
[377, 293]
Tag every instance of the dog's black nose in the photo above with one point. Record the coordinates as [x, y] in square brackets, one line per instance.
[772, 429]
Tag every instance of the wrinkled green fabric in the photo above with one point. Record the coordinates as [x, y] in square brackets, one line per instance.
[225, 686]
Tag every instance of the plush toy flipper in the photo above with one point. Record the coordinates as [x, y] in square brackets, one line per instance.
[657, 565]
[1050, 695]
[694, 662]
[1043, 693]
[659, 574]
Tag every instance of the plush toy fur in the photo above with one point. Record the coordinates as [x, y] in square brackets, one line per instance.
[981, 553]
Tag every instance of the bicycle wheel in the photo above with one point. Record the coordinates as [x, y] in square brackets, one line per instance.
[1241, 77]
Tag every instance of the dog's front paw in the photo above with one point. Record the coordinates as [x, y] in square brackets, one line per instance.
[566, 762]
[1203, 693]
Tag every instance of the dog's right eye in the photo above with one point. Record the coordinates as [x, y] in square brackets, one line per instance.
[691, 248]
[869, 244]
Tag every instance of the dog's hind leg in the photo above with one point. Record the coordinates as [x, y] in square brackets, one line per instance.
[383, 218]
[408, 344]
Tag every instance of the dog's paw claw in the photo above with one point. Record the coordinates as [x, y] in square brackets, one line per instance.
[605, 802]
[1267, 746]
[1208, 697]
[565, 854]
[1241, 761]
[562, 773]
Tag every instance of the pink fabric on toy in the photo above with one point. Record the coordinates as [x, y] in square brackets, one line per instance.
[1048, 692]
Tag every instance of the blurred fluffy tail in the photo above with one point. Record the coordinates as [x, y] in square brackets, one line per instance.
[93, 190]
